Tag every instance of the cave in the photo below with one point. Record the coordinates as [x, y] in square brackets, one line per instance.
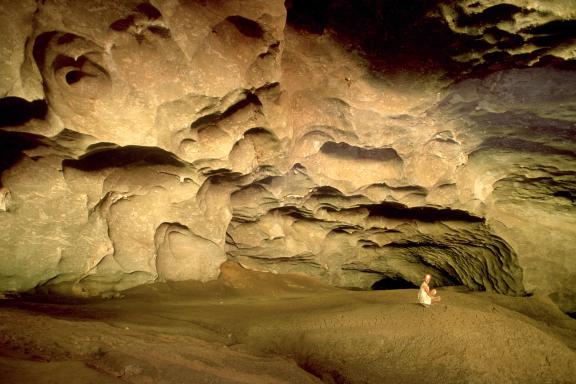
[287, 191]
[389, 283]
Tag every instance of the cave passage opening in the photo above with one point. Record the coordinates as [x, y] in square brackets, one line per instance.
[392, 282]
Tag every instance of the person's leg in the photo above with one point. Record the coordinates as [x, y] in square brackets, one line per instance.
[434, 296]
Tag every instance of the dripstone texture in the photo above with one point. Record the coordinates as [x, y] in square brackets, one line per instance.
[358, 142]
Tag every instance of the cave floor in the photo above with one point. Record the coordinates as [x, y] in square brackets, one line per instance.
[250, 327]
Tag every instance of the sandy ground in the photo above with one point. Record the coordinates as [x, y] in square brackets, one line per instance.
[251, 327]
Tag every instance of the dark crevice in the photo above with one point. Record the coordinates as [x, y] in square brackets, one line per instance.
[551, 61]
[521, 145]
[16, 111]
[563, 28]
[123, 24]
[324, 375]
[412, 33]
[524, 123]
[261, 132]
[247, 27]
[66, 38]
[416, 244]
[148, 10]
[40, 46]
[12, 145]
[417, 34]
[122, 157]
[73, 77]
[213, 118]
[393, 282]
[490, 16]
[346, 228]
[295, 213]
[160, 31]
[425, 214]
[350, 152]
[548, 40]
[326, 190]
[570, 195]
[62, 61]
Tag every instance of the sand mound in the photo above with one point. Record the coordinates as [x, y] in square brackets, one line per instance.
[249, 327]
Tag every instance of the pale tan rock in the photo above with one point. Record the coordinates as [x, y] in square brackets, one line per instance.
[181, 255]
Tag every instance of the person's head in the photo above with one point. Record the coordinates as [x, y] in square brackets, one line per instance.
[427, 278]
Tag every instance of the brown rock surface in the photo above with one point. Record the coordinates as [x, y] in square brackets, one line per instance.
[250, 327]
[359, 143]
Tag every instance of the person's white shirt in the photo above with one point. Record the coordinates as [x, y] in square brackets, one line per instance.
[423, 296]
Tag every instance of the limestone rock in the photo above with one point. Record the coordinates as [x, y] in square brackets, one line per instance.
[144, 141]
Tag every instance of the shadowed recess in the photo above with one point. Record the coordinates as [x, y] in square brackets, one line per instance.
[148, 10]
[213, 118]
[160, 31]
[416, 37]
[489, 16]
[11, 146]
[122, 157]
[349, 152]
[17, 111]
[247, 27]
[40, 45]
[393, 282]
[563, 28]
[526, 124]
[326, 190]
[426, 214]
[408, 32]
[521, 145]
[123, 24]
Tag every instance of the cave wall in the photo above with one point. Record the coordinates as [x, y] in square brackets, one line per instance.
[355, 142]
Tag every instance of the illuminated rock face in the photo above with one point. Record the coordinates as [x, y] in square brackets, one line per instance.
[153, 141]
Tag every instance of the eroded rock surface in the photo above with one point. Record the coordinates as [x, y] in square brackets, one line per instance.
[360, 143]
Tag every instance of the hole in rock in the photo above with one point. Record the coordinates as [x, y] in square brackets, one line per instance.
[246, 26]
[17, 111]
[73, 77]
[393, 282]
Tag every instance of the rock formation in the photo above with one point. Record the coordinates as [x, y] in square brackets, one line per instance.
[358, 142]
